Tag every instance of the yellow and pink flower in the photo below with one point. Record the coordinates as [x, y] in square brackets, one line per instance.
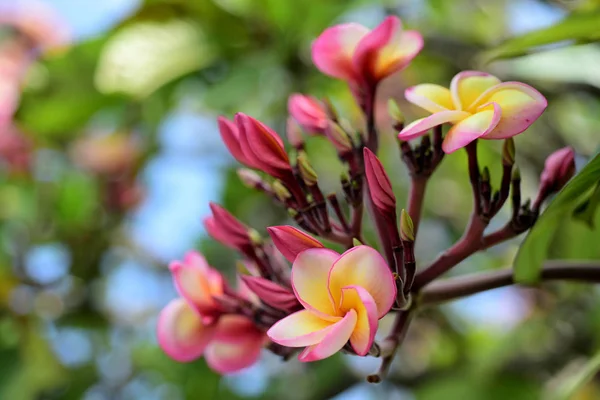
[343, 296]
[478, 105]
[364, 57]
[194, 324]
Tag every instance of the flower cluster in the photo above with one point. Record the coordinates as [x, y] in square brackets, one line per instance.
[328, 302]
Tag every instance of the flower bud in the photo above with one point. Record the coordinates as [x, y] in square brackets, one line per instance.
[294, 134]
[485, 175]
[308, 112]
[271, 293]
[291, 241]
[308, 174]
[230, 134]
[516, 174]
[281, 192]
[508, 152]
[356, 242]
[227, 229]
[394, 112]
[339, 138]
[380, 188]
[250, 178]
[329, 109]
[407, 229]
[558, 169]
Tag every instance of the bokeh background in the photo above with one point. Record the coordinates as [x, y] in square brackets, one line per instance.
[110, 153]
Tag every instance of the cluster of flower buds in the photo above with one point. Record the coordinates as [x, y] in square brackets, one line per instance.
[328, 302]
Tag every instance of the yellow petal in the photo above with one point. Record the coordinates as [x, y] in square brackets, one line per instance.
[467, 86]
[430, 97]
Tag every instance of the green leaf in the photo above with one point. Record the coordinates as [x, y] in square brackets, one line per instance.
[536, 245]
[578, 27]
[572, 380]
[586, 212]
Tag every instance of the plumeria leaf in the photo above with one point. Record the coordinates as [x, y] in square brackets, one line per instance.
[537, 244]
[573, 378]
[581, 28]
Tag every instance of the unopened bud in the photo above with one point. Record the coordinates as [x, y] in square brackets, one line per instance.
[394, 112]
[516, 174]
[485, 174]
[339, 138]
[241, 268]
[407, 229]
[559, 168]
[292, 213]
[249, 178]
[281, 192]
[329, 109]
[255, 237]
[356, 242]
[294, 133]
[508, 152]
[308, 174]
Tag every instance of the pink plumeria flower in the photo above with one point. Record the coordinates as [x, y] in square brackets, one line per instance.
[364, 57]
[230, 344]
[478, 105]
[198, 282]
[309, 112]
[343, 296]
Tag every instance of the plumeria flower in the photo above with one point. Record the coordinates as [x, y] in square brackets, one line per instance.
[364, 57]
[309, 112]
[194, 325]
[478, 105]
[343, 296]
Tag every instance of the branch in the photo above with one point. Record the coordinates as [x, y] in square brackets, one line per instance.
[416, 196]
[454, 288]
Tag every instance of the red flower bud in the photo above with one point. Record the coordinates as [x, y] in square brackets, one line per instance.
[291, 241]
[309, 112]
[262, 147]
[230, 135]
[271, 293]
[558, 169]
[227, 229]
[380, 188]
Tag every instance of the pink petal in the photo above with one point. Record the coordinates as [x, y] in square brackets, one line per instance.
[271, 293]
[358, 299]
[333, 342]
[181, 333]
[430, 97]
[310, 273]
[469, 129]
[378, 182]
[291, 241]
[302, 328]
[521, 105]
[196, 282]
[232, 328]
[467, 86]
[332, 51]
[231, 137]
[420, 127]
[308, 112]
[363, 266]
[237, 350]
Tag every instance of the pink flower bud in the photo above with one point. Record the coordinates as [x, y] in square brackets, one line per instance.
[262, 147]
[271, 293]
[380, 188]
[339, 138]
[294, 134]
[227, 229]
[309, 112]
[559, 168]
[291, 241]
[250, 178]
[230, 135]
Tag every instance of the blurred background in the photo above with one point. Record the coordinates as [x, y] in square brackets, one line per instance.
[110, 153]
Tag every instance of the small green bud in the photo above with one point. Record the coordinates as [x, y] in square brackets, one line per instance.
[281, 192]
[308, 174]
[407, 229]
[516, 174]
[485, 174]
[394, 111]
[508, 152]
[356, 242]
[255, 237]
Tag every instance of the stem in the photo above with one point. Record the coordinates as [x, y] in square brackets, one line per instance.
[454, 288]
[416, 196]
[392, 342]
[369, 109]
[474, 176]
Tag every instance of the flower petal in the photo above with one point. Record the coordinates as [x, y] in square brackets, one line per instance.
[469, 129]
[467, 86]
[229, 357]
[231, 137]
[181, 333]
[291, 241]
[398, 53]
[302, 328]
[358, 299]
[420, 127]
[333, 342]
[308, 112]
[520, 103]
[233, 328]
[332, 50]
[363, 266]
[430, 97]
[271, 293]
[310, 273]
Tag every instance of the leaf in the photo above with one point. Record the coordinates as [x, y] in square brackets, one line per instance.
[586, 212]
[578, 27]
[572, 379]
[535, 247]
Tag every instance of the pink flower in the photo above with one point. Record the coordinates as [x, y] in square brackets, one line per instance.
[478, 105]
[227, 229]
[343, 296]
[380, 187]
[353, 53]
[271, 293]
[308, 112]
[229, 344]
[198, 282]
[291, 241]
